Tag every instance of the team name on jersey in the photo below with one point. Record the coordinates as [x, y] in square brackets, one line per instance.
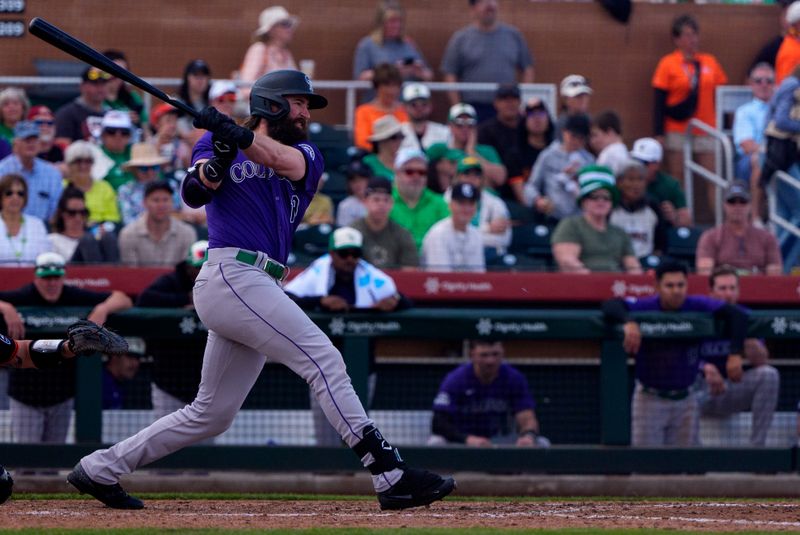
[240, 171]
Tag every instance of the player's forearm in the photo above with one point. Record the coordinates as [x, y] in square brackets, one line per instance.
[285, 160]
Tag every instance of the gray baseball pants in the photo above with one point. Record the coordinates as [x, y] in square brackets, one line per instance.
[756, 392]
[656, 421]
[250, 321]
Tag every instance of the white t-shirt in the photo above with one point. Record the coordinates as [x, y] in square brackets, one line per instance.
[446, 249]
[434, 133]
[490, 208]
[640, 226]
[63, 245]
[30, 242]
[614, 157]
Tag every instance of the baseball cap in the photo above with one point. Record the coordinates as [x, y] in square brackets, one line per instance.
[160, 111]
[737, 190]
[136, 346]
[594, 177]
[469, 163]
[379, 184]
[117, 119]
[793, 13]
[647, 150]
[93, 74]
[272, 16]
[415, 91]
[406, 155]
[507, 91]
[35, 111]
[221, 87]
[198, 65]
[437, 151]
[461, 191]
[574, 85]
[25, 129]
[50, 265]
[77, 150]
[462, 108]
[198, 253]
[345, 238]
[358, 168]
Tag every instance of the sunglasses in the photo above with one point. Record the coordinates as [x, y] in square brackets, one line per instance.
[116, 131]
[349, 253]
[145, 168]
[11, 192]
[418, 103]
[88, 161]
[396, 137]
[285, 24]
[599, 197]
[737, 200]
[95, 75]
[72, 213]
[764, 80]
[44, 122]
[465, 122]
[227, 97]
[415, 172]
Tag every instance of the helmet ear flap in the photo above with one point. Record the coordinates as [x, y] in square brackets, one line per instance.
[261, 106]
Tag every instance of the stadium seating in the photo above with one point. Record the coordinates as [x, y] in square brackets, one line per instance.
[682, 243]
[530, 243]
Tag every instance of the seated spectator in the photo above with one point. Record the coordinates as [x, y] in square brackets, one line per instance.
[119, 369]
[26, 236]
[72, 238]
[119, 96]
[388, 43]
[552, 187]
[176, 362]
[492, 219]
[442, 167]
[485, 401]
[156, 238]
[386, 243]
[145, 162]
[587, 242]
[420, 132]
[320, 209]
[606, 141]
[341, 281]
[454, 244]
[757, 391]
[176, 152]
[463, 123]
[664, 407]
[14, 105]
[416, 208]
[749, 123]
[101, 200]
[270, 48]
[115, 145]
[223, 95]
[661, 187]
[638, 215]
[386, 139]
[737, 242]
[42, 400]
[576, 96]
[71, 118]
[43, 117]
[535, 134]
[352, 207]
[386, 82]
[43, 178]
[501, 132]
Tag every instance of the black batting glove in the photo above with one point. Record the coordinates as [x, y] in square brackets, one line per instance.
[215, 169]
[224, 127]
[211, 119]
[224, 149]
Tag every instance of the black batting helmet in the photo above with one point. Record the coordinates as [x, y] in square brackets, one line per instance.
[272, 88]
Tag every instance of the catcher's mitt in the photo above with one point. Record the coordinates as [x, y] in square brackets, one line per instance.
[5, 484]
[85, 337]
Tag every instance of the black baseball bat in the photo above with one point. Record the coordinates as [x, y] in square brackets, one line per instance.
[64, 41]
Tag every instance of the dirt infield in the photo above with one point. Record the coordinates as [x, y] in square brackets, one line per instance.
[254, 514]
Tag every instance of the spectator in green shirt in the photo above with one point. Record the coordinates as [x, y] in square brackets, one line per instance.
[661, 187]
[386, 138]
[587, 242]
[416, 207]
[115, 139]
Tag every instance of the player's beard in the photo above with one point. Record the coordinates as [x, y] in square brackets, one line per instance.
[288, 131]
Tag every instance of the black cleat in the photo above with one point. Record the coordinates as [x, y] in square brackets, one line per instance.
[111, 495]
[416, 488]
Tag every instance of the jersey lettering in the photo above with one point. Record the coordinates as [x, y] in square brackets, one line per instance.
[295, 201]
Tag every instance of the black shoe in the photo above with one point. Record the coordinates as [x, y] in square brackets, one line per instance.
[111, 495]
[415, 488]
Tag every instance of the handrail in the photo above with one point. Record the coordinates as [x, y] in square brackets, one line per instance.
[772, 194]
[690, 167]
[545, 91]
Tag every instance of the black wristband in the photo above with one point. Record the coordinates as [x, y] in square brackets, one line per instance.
[215, 169]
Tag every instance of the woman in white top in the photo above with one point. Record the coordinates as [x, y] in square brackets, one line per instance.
[270, 51]
[22, 237]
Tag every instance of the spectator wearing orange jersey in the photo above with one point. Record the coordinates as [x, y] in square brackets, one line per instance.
[789, 53]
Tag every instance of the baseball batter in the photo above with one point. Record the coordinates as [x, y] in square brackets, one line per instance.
[255, 198]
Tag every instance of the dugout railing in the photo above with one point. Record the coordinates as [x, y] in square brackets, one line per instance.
[610, 455]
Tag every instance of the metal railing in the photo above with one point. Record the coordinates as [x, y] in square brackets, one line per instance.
[547, 92]
[774, 216]
[721, 176]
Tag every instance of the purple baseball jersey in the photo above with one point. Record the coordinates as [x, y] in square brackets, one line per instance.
[716, 351]
[255, 208]
[670, 364]
[479, 409]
